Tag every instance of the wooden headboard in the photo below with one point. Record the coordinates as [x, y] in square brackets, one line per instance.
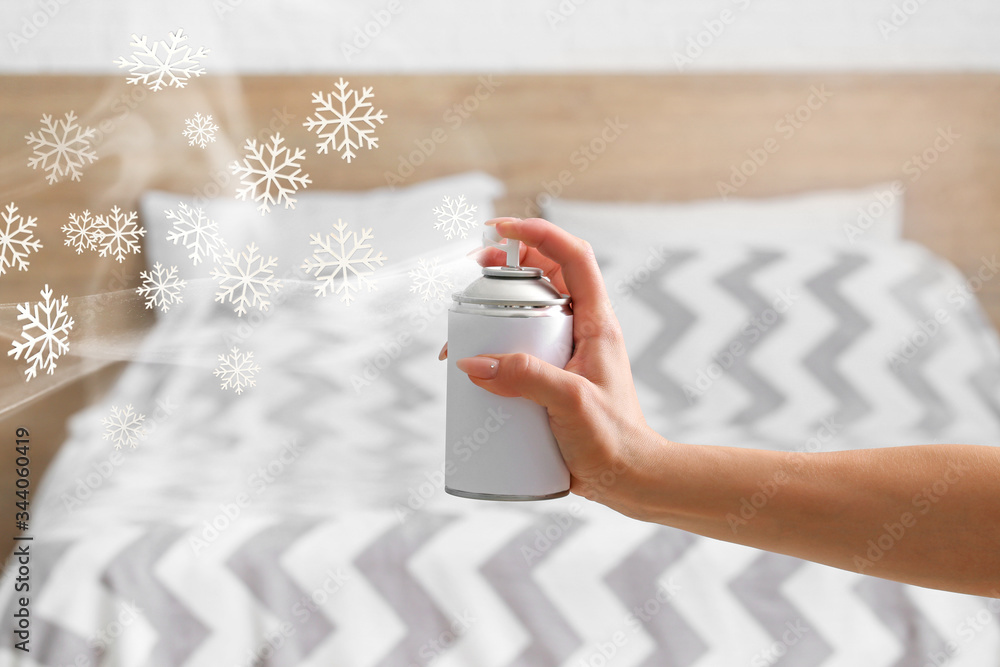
[602, 137]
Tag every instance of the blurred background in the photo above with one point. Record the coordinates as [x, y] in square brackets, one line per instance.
[718, 155]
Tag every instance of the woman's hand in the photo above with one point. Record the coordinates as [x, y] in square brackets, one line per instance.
[592, 405]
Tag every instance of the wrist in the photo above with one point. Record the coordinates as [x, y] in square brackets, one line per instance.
[639, 475]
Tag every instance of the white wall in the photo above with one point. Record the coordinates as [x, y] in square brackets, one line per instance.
[513, 35]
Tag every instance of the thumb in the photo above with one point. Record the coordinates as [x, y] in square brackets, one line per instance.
[521, 374]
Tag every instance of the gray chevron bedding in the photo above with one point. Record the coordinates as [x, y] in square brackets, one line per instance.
[303, 522]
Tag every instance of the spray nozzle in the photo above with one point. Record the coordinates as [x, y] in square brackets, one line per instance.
[492, 238]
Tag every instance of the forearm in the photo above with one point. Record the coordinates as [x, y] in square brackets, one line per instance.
[925, 515]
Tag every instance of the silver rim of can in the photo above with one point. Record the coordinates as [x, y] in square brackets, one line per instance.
[499, 496]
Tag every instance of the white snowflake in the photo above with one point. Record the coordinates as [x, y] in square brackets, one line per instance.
[61, 147]
[246, 279]
[51, 326]
[196, 232]
[272, 179]
[200, 130]
[161, 287]
[430, 280]
[237, 370]
[352, 119]
[352, 258]
[120, 234]
[124, 427]
[455, 217]
[162, 64]
[83, 232]
[17, 240]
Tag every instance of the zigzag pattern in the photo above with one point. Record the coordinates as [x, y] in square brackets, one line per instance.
[50, 643]
[765, 399]
[514, 572]
[132, 575]
[759, 589]
[510, 573]
[822, 360]
[405, 577]
[937, 414]
[635, 583]
[674, 321]
[915, 633]
[258, 565]
[384, 564]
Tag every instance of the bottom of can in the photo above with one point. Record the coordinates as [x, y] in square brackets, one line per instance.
[500, 496]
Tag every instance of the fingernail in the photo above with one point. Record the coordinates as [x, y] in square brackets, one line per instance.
[443, 353]
[496, 221]
[483, 368]
[474, 251]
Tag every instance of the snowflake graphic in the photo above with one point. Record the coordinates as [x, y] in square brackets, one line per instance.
[61, 147]
[430, 280]
[237, 370]
[124, 427]
[273, 179]
[17, 240]
[347, 125]
[83, 232]
[246, 279]
[120, 234]
[200, 130]
[49, 320]
[161, 287]
[455, 217]
[193, 229]
[351, 258]
[162, 64]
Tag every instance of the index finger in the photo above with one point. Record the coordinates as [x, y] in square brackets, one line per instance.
[572, 254]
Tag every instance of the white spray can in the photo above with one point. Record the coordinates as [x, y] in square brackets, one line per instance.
[501, 448]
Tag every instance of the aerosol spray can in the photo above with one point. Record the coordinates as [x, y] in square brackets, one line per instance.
[501, 448]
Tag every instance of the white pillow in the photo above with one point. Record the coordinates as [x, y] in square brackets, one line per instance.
[866, 215]
[401, 219]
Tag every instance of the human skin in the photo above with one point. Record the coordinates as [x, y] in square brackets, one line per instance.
[927, 515]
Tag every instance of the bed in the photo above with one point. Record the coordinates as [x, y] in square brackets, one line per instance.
[301, 520]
